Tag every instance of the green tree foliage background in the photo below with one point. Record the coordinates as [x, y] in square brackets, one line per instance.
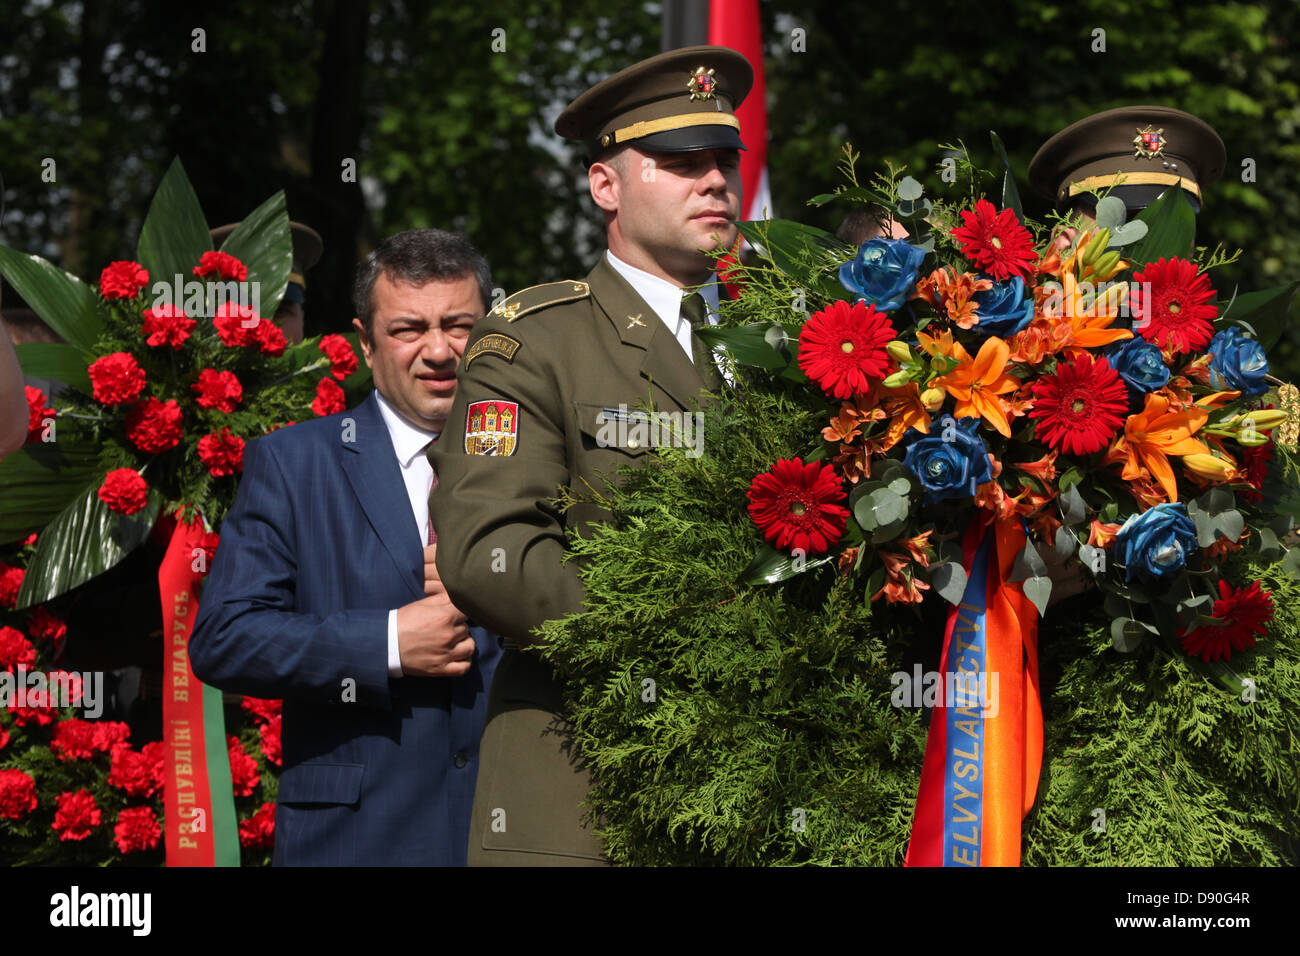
[447, 110]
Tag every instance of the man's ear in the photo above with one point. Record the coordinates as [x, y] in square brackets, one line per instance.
[363, 338]
[605, 184]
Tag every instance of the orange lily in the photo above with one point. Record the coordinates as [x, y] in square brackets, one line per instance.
[1089, 324]
[943, 288]
[977, 383]
[1156, 432]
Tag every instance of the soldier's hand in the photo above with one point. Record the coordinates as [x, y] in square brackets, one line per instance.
[433, 638]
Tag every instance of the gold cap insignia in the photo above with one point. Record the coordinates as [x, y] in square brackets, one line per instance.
[1149, 143]
[701, 84]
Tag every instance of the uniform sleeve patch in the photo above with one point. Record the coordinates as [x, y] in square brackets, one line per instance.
[492, 427]
[493, 343]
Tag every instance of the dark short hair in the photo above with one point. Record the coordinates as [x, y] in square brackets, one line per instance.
[417, 256]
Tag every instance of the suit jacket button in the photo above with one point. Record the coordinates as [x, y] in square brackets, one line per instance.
[460, 759]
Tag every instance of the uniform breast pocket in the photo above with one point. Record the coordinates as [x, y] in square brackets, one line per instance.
[624, 431]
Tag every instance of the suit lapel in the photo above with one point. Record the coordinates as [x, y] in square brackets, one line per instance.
[637, 325]
[370, 464]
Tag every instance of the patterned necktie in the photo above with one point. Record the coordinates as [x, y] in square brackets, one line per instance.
[697, 315]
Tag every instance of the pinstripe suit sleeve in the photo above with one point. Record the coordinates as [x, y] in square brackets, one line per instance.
[249, 639]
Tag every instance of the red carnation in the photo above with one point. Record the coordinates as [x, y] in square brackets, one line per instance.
[74, 739]
[270, 734]
[124, 491]
[38, 714]
[258, 831]
[221, 265]
[262, 710]
[137, 772]
[343, 361]
[110, 733]
[1179, 313]
[1080, 406]
[116, 379]
[76, 816]
[244, 775]
[137, 829]
[222, 452]
[4, 738]
[17, 794]
[236, 324]
[842, 348]
[15, 649]
[219, 390]
[155, 426]
[166, 325]
[36, 412]
[45, 626]
[270, 339]
[997, 242]
[29, 540]
[123, 280]
[329, 398]
[1243, 612]
[796, 505]
[11, 579]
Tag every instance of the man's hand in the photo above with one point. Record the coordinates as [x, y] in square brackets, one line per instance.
[433, 636]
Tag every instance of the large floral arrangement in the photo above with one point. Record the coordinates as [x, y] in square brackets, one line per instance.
[170, 365]
[1077, 387]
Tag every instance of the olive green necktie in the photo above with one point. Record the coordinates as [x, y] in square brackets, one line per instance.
[697, 315]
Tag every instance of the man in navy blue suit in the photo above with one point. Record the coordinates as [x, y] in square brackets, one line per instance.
[324, 590]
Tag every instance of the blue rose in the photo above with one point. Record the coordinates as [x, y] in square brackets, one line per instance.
[1140, 364]
[883, 272]
[1004, 309]
[1155, 543]
[1238, 363]
[951, 460]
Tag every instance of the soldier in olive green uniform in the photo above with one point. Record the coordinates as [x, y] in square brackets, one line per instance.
[545, 378]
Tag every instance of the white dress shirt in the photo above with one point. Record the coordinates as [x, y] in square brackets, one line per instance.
[666, 299]
[410, 442]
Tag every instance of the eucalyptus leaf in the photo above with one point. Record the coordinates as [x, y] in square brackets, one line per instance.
[909, 189]
[64, 303]
[84, 541]
[1094, 559]
[1039, 591]
[1127, 634]
[1066, 543]
[770, 566]
[1205, 535]
[888, 507]
[949, 581]
[1230, 524]
[1073, 508]
[1126, 234]
[901, 486]
[1110, 213]
[1216, 499]
[1029, 563]
[1266, 541]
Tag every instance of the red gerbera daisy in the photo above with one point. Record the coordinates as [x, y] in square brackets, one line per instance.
[796, 505]
[997, 242]
[1243, 614]
[843, 347]
[1179, 312]
[1080, 406]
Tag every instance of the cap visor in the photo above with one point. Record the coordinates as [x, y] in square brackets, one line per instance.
[689, 138]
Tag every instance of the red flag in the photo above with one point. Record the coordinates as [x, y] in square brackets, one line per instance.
[735, 24]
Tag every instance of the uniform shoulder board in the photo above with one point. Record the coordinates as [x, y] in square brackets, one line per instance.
[537, 297]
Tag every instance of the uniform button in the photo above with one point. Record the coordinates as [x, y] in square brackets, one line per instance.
[460, 759]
